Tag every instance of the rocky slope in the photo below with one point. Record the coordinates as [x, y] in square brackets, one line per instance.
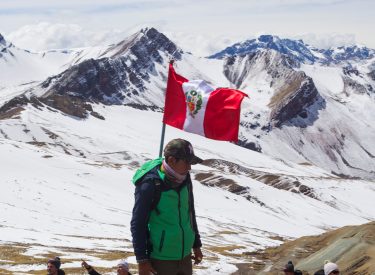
[71, 135]
[290, 92]
[297, 50]
[119, 77]
[303, 109]
[120, 74]
[306, 105]
[351, 247]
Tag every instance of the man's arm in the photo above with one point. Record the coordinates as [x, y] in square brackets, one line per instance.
[197, 253]
[89, 268]
[143, 197]
[93, 272]
[197, 241]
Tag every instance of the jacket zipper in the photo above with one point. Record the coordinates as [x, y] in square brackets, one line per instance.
[161, 240]
[182, 229]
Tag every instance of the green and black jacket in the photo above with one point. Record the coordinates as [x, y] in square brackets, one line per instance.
[169, 230]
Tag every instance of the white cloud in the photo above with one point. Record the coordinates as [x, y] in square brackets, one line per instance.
[88, 22]
[203, 44]
[325, 41]
[45, 36]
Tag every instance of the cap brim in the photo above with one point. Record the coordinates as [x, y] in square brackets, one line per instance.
[196, 160]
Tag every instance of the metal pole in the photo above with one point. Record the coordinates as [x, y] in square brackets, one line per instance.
[162, 141]
[171, 62]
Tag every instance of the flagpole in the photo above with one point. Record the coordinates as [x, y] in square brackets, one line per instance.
[163, 127]
[162, 140]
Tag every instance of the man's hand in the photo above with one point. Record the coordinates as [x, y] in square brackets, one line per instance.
[145, 268]
[86, 265]
[198, 256]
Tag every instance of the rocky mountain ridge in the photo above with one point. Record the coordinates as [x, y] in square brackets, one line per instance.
[120, 77]
[351, 247]
[79, 133]
[283, 78]
[297, 50]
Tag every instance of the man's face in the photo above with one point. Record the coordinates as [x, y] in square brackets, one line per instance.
[51, 269]
[180, 166]
[121, 270]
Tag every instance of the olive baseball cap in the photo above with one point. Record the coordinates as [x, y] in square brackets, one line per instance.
[181, 149]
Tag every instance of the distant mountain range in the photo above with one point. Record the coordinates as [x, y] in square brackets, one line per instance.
[75, 124]
[306, 99]
[297, 50]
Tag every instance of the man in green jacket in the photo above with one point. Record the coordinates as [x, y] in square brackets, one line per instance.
[163, 225]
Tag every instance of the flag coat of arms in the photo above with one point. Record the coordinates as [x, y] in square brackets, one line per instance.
[194, 106]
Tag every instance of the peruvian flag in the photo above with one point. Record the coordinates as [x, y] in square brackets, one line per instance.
[194, 106]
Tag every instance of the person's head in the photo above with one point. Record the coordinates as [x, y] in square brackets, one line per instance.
[331, 268]
[53, 266]
[319, 272]
[123, 268]
[179, 155]
[289, 268]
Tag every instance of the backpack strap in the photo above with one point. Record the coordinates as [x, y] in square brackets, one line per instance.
[157, 195]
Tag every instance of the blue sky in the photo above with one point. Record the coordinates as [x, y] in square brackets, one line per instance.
[203, 26]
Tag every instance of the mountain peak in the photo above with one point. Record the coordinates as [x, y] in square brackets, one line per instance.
[4, 45]
[146, 40]
[343, 53]
[150, 31]
[120, 75]
[2, 40]
[267, 38]
[296, 49]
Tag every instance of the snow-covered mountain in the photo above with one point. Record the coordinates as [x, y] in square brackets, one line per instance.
[314, 113]
[345, 53]
[297, 50]
[297, 93]
[19, 66]
[122, 74]
[67, 137]
[292, 48]
[67, 184]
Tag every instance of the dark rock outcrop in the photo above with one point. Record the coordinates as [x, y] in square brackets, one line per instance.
[351, 85]
[119, 78]
[212, 180]
[2, 40]
[279, 181]
[4, 46]
[372, 75]
[250, 145]
[14, 106]
[349, 70]
[295, 103]
[70, 105]
[100, 80]
[294, 92]
[238, 68]
[346, 53]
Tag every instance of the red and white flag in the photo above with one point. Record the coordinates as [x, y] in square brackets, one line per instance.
[194, 106]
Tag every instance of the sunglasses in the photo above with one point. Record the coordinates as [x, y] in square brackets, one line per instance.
[335, 272]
